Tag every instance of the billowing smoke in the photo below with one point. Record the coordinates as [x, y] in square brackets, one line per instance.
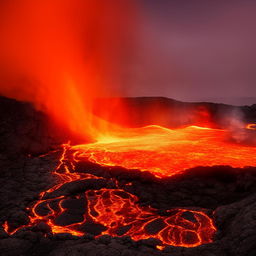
[235, 122]
[62, 54]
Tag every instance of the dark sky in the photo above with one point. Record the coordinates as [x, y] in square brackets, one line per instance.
[196, 50]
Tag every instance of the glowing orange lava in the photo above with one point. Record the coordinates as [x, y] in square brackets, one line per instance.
[165, 152]
[118, 211]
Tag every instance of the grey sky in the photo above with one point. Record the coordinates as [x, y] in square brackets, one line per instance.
[195, 50]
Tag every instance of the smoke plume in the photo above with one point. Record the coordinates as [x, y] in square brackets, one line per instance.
[62, 54]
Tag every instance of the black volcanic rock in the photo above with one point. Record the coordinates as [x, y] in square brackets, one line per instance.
[77, 186]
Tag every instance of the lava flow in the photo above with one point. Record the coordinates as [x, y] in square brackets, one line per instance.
[117, 211]
[160, 151]
[165, 152]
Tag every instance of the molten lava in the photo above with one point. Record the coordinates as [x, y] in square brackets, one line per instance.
[160, 151]
[118, 211]
[165, 152]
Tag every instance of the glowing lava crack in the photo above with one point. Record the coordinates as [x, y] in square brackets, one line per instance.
[161, 151]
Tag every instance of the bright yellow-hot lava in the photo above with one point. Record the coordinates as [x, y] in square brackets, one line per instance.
[166, 152]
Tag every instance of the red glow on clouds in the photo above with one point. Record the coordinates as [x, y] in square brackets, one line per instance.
[61, 55]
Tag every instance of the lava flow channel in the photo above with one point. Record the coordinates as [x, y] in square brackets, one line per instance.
[165, 152]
